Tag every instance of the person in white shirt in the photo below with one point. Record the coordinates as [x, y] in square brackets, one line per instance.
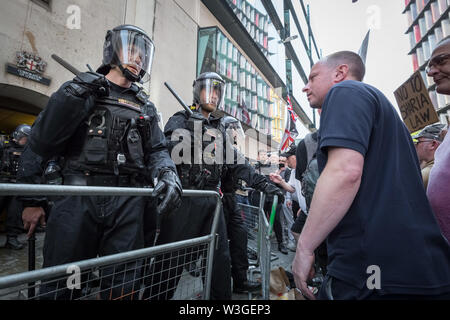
[293, 186]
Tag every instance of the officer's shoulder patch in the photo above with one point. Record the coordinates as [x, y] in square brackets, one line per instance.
[129, 103]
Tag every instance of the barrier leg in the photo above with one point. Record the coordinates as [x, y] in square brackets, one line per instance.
[31, 263]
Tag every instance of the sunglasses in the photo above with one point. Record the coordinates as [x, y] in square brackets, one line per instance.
[416, 142]
[437, 61]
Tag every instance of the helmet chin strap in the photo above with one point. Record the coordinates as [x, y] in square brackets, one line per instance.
[130, 75]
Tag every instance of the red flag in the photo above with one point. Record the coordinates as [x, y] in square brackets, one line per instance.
[245, 115]
[290, 133]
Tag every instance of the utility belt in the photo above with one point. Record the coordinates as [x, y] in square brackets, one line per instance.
[102, 181]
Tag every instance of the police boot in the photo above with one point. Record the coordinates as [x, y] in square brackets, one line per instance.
[246, 286]
[13, 243]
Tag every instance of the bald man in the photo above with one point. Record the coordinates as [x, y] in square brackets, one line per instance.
[369, 202]
[438, 191]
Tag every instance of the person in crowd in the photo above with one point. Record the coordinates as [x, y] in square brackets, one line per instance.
[289, 206]
[426, 142]
[439, 181]
[106, 132]
[383, 240]
[10, 152]
[292, 186]
[266, 168]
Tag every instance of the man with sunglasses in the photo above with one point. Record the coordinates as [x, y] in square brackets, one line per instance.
[426, 143]
[439, 66]
[439, 182]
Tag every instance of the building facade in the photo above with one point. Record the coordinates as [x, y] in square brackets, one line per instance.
[263, 49]
[428, 23]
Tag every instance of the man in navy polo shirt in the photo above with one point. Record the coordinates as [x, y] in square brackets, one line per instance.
[369, 203]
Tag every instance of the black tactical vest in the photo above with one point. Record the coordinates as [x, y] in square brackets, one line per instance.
[112, 138]
[207, 174]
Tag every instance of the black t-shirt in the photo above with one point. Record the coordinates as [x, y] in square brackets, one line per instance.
[390, 223]
[301, 160]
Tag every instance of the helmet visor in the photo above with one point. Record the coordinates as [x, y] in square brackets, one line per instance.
[135, 52]
[210, 91]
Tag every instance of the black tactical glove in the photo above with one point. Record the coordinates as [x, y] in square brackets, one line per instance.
[168, 192]
[273, 190]
[93, 83]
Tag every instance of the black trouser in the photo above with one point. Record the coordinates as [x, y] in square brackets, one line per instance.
[14, 208]
[336, 289]
[193, 219]
[81, 228]
[237, 234]
[321, 254]
[295, 208]
[254, 201]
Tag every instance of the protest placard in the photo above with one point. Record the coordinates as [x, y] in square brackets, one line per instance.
[414, 103]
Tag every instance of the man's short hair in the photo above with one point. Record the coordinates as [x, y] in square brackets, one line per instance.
[353, 60]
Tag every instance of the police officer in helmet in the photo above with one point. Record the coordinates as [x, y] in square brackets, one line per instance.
[195, 216]
[10, 153]
[20, 134]
[106, 132]
[231, 180]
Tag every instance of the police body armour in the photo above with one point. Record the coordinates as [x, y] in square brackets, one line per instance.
[207, 172]
[114, 134]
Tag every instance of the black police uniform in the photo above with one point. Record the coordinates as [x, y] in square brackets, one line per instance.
[266, 169]
[195, 216]
[10, 154]
[105, 140]
[237, 233]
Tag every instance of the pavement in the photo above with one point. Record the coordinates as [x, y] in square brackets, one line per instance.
[278, 260]
[16, 261]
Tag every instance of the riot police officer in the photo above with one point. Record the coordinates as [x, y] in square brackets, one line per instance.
[237, 233]
[106, 131]
[200, 165]
[216, 162]
[10, 153]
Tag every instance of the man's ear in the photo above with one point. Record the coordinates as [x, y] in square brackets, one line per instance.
[435, 144]
[341, 73]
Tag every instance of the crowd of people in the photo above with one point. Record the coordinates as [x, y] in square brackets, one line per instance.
[360, 192]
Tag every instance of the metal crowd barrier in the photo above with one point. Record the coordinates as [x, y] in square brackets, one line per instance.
[259, 230]
[155, 273]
